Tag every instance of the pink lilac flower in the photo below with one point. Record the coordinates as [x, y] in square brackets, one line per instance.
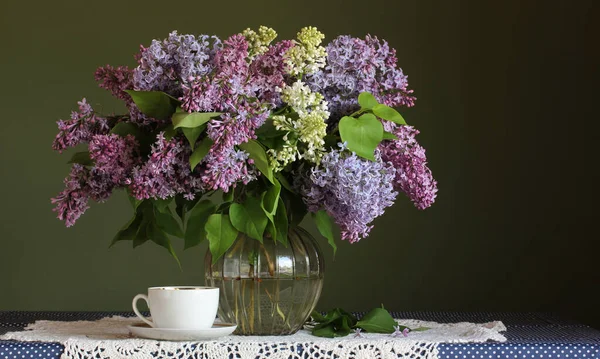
[231, 91]
[114, 156]
[200, 95]
[80, 128]
[354, 191]
[226, 168]
[268, 73]
[231, 60]
[232, 129]
[81, 185]
[413, 177]
[355, 65]
[166, 172]
[100, 185]
[72, 202]
[115, 80]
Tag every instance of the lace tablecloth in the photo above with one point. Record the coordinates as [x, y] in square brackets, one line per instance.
[109, 338]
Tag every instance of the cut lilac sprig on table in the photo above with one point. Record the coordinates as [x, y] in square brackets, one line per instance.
[340, 323]
[358, 333]
[398, 331]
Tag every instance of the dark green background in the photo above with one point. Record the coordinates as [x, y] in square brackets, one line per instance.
[504, 105]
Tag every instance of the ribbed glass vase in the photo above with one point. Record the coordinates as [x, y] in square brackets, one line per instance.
[268, 289]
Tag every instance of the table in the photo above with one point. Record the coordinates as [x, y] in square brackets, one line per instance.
[530, 335]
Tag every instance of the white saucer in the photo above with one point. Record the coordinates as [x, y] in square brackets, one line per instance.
[218, 330]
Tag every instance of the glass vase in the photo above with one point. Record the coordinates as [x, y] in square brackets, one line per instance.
[268, 288]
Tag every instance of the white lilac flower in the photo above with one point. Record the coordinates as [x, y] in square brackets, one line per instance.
[259, 42]
[280, 158]
[307, 56]
[305, 129]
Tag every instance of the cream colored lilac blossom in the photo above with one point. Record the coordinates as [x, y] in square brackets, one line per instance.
[258, 42]
[309, 127]
[307, 56]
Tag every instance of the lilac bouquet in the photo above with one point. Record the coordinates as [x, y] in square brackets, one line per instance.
[280, 129]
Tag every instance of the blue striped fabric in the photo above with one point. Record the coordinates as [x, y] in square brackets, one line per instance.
[530, 335]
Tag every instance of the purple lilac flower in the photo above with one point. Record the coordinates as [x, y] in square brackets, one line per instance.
[115, 80]
[231, 60]
[200, 95]
[226, 168]
[72, 202]
[268, 73]
[81, 185]
[100, 185]
[357, 333]
[232, 129]
[80, 128]
[356, 65]
[114, 156]
[352, 190]
[413, 177]
[234, 92]
[166, 64]
[166, 173]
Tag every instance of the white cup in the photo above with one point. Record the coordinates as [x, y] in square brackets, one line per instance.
[180, 307]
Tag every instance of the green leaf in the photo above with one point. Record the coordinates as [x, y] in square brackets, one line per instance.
[326, 331]
[159, 237]
[377, 320]
[228, 196]
[268, 130]
[195, 232]
[128, 231]
[162, 204]
[200, 152]
[194, 119]
[125, 128]
[181, 206]
[295, 208]
[331, 141]
[82, 158]
[388, 113]
[269, 202]
[336, 323]
[220, 234]
[317, 317]
[141, 235]
[249, 218]
[361, 135]
[281, 223]
[169, 132]
[155, 104]
[135, 203]
[192, 134]
[270, 198]
[324, 225]
[259, 156]
[284, 182]
[146, 211]
[389, 136]
[367, 101]
[167, 223]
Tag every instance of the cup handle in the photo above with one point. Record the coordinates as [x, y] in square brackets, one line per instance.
[137, 312]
